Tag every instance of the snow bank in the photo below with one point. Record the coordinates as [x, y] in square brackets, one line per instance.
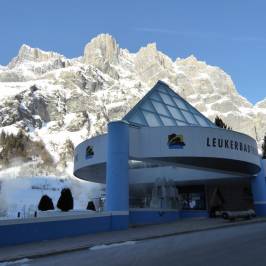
[22, 194]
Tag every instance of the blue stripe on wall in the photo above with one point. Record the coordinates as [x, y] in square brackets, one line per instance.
[138, 217]
[193, 213]
[38, 231]
[150, 217]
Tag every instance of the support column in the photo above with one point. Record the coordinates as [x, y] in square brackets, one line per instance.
[258, 185]
[117, 195]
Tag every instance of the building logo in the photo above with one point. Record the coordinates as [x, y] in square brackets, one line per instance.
[89, 152]
[175, 141]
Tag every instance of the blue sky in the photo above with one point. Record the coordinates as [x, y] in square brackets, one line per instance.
[228, 34]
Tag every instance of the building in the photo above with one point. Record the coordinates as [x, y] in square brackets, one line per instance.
[166, 160]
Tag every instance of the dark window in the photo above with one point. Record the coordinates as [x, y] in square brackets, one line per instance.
[192, 197]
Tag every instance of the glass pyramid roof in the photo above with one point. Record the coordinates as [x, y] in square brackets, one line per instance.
[161, 106]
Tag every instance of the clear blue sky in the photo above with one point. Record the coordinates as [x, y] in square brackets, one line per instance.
[230, 34]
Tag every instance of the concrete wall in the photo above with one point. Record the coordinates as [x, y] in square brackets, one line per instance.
[149, 216]
[14, 232]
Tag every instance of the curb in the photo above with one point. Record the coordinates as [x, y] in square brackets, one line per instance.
[87, 246]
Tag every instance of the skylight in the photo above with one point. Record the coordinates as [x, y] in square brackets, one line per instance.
[161, 106]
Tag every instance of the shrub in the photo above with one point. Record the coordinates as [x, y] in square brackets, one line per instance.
[263, 146]
[65, 202]
[46, 204]
[91, 206]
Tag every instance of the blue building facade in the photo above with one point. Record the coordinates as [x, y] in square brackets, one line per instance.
[165, 160]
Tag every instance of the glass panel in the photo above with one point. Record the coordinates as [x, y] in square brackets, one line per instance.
[155, 96]
[166, 98]
[180, 123]
[165, 107]
[136, 118]
[203, 122]
[160, 108]
[162, 89]
[147, 106]
[168, 121]
[172, 93]
[151, 119]
[192, 197]
[175, 113]
[193, 110]
[180, 103]
[189, 117]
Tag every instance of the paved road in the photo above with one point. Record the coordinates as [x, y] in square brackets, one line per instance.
[240, 245]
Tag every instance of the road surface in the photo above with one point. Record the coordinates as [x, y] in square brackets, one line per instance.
[239, 245]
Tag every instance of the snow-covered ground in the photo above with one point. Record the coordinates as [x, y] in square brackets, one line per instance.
[24, 193]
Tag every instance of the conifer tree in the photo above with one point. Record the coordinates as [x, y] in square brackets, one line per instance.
[220, 123]
[264, 148]
[91, 206]
[65, 202]
[46, 204]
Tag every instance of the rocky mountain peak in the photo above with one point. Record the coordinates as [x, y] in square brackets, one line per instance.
[261, 104]
[189, 60]
[151, 64]
[27, 53]
[101, 50]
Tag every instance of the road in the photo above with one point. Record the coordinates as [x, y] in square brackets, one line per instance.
[239, 245]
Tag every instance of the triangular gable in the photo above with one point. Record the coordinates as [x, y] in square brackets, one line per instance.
[161, 106]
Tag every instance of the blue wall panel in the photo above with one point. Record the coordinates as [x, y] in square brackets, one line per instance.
[152, 217]
[193, 214]
[39, 231]
[258, 185]
[120, 222]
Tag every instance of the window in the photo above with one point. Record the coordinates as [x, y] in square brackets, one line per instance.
[166, 98]
[175, 113]
[151, 119]
[168, 121]
[189, 117]
[180, 103]
[160, 108]
[192, 197]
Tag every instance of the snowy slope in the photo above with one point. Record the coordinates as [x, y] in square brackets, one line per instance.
[22, 194]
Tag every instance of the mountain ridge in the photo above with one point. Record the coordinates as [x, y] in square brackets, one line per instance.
[59, 101]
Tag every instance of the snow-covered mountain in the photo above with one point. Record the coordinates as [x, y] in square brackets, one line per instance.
[51, 103]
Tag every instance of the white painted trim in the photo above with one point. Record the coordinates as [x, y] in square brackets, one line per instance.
[55, 218]
[62, 217]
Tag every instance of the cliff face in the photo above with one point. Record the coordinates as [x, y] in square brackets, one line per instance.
[56, 102]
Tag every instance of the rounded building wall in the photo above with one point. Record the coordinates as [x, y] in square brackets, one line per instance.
[218, 152]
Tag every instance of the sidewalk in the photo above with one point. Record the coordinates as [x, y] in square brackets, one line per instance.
[133, 234]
